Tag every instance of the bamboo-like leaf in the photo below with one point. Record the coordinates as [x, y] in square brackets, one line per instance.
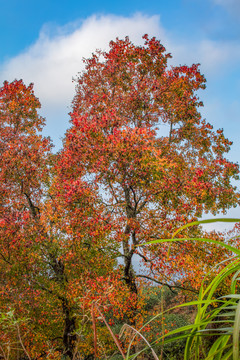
[236, 328]
[227, 314]
[224, 329]
[231, 296]
[226, 304]
[226, 246]
[228, 355]
[220, 343]
[207, 221]
[235, 278]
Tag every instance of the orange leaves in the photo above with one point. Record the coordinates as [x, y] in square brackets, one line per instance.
[148, 182]
[119, 181]
[19, 107]
[2, 223]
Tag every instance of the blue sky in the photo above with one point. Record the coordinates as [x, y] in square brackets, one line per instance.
[44, 42]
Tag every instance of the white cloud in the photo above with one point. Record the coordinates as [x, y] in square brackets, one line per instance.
[52, 61]
[56, 57]
[215, 57]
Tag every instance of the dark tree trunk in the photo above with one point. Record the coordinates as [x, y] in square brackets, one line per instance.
[128, 270]
[69, 334]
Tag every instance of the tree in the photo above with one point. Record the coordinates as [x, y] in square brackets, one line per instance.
[49, 275]
[148, 181]
[24, 164]
[118, 182]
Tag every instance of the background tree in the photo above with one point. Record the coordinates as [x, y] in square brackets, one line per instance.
[24, 164]
[138, 138]
[54, 260]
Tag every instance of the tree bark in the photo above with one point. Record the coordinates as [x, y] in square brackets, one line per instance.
[69, 334]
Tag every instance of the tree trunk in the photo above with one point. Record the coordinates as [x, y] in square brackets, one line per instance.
[130, 279]
[128, 269]
[69, 334]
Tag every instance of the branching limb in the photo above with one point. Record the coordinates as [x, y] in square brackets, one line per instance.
[166, 284]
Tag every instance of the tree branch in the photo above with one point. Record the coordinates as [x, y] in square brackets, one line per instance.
[166, 284]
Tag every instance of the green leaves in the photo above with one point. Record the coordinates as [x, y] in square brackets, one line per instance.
[117, 184]
[222, 313]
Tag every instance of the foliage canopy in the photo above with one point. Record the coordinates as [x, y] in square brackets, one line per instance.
[137, 162]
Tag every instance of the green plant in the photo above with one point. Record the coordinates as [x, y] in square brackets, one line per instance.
[217, 317]
[10, 324]
[154, 294]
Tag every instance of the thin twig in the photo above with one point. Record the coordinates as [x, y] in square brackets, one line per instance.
[136, 331]
[94, 332]
[110, 330]
[20, 339]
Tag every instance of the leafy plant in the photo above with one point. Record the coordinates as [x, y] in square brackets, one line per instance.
[153, 295]
[10, 324]
[217, 317]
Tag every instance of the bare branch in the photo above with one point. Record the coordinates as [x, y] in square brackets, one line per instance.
[168, 285]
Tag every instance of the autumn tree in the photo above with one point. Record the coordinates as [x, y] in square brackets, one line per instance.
[54, 260]
[138, 138]
[137, 162]
[24, 164]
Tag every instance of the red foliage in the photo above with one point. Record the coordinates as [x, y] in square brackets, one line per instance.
[119, 181]
[149, 181]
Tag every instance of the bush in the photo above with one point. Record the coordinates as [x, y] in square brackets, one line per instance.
[153, 295]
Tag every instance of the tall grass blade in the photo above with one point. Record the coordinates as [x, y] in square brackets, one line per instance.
[236, 328]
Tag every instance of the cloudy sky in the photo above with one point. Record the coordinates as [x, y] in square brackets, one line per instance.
[44, 42]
